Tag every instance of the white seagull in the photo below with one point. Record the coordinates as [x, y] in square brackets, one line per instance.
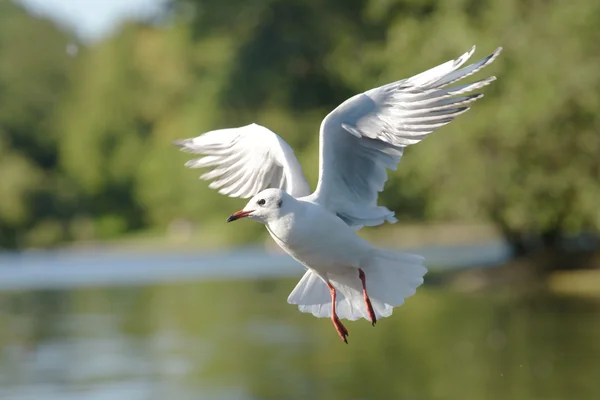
[346, 277]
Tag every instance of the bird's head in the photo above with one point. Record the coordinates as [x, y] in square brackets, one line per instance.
[264, 207]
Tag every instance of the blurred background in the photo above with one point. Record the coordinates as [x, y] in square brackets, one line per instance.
[120, 280]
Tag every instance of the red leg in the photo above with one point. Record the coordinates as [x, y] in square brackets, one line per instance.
[363, 279]
[339, 327]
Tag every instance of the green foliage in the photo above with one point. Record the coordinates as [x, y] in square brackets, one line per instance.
[34, 73]
[527, 155]
[85, 141]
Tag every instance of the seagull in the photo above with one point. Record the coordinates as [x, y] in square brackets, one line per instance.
[346, 277]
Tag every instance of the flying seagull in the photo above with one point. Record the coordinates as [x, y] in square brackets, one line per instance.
[346, 277]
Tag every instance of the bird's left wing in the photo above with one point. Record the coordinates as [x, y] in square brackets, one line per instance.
[245, 161]
[367, 134]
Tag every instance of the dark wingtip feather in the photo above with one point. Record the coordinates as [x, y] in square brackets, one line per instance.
[184, 145]
[180, 142]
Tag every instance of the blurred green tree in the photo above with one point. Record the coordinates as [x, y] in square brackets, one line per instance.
[526, 158]
[34, 75]
[85, 141]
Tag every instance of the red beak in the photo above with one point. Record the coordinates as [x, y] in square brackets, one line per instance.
[239, 214]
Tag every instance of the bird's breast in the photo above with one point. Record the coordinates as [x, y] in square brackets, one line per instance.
[317, 239]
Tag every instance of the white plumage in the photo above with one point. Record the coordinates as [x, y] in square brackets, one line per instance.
[246, 160]
[359, 141]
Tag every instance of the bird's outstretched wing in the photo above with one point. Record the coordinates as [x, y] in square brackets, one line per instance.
[245, 161]
[367, 134]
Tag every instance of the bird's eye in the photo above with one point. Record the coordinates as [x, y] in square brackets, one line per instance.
[261, 202]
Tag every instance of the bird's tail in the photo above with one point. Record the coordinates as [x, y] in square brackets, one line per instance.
[390, 278]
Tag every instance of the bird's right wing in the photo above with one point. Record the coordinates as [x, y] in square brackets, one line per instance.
[367, 134]
[245, 161]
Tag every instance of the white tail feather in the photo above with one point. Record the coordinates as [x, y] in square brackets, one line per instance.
[390, 279]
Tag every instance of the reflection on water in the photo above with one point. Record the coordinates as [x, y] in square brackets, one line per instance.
[66, 269]
[241, 340]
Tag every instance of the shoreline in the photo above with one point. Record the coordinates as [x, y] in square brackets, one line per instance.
[404, 235]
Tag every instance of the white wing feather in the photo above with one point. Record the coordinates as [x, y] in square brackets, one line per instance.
[245, 161]
[367, 133]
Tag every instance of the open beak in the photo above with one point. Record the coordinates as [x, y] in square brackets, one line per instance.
[239, 214]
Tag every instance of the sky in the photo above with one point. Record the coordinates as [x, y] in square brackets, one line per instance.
[92, 20]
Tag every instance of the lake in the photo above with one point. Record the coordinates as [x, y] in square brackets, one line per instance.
[217, 326]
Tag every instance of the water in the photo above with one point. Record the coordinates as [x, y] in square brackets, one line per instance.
[225, 335]
[65, 269]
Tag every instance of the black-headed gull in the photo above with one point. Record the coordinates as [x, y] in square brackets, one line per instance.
[346, 276]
